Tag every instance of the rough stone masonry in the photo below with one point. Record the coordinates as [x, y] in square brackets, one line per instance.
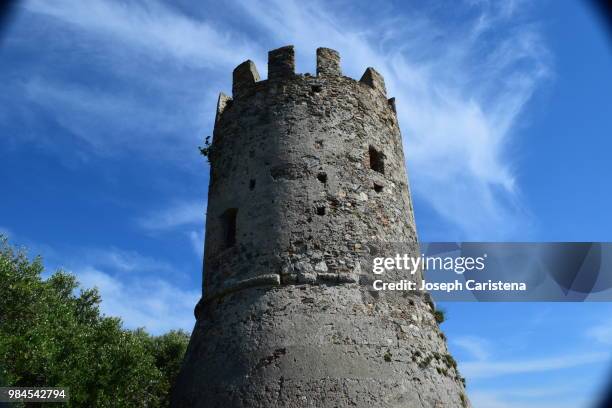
[307, 181]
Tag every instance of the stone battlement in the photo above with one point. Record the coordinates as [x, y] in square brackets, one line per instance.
[281, 67]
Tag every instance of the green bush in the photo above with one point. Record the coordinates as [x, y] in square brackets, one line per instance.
[52, 336]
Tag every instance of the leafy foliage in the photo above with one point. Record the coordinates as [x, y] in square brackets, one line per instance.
[52, 336]
[206, 149]
[439, 316]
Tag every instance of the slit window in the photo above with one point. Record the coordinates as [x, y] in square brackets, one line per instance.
[322, 177]
[377, 160]
[252, 184]
[378, 188]
[228, 220]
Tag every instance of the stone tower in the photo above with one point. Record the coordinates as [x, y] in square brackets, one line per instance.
[307, 181]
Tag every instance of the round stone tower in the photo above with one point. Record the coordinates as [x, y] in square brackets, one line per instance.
[307, 182]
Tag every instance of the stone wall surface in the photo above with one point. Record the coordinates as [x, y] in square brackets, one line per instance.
[308, 181]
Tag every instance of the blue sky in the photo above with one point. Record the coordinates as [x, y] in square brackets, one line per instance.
[505, 111]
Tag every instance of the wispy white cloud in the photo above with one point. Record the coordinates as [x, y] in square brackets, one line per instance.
[478, 347]
[184, 217]
[141, 290]
[122, 260]
[459, 90]
[461, 85]
[197, 243]
[542, 395]
[601, 333]
[152, 303]
[496, 399]
[87, 113]
[493, 368]
[150, 27]
[178, 214]
[146, 59]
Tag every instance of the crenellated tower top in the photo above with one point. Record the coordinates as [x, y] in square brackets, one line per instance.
[281, 66]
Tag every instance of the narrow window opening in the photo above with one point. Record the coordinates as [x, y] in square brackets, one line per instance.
[320, 210]
[322, 177]
[377, 162]
[378, 188]
[228, 220]
[252, 184]
[316, 88]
